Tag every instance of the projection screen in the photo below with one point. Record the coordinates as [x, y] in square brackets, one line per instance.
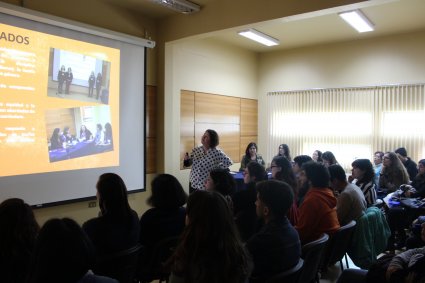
[72, 106]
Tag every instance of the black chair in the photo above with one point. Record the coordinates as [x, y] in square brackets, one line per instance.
[337, 246]
[312, 254]
[121, 265]
[288, 276]
[152, 267]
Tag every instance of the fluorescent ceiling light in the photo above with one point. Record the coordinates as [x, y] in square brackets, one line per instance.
[182, 6]
[259, 37]
[357, 20]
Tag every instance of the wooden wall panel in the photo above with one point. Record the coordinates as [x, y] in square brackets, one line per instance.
[249, 117]
[150, 155]
[187, 113]
[229, 137]
[210, 108]
[151, 111]
[60, 118]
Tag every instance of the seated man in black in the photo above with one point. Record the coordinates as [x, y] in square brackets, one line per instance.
[276, 247]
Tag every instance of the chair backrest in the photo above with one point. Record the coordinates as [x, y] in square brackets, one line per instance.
[121, 265]
[288, 276]
[152, 269]
[312, 255]
[338, 245]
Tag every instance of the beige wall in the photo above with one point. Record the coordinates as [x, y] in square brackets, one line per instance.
[396, 59]
[204, 66]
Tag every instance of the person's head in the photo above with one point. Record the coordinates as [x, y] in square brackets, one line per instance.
[63, 253]
[83, 128]
[112, 195]
[284, 151]
[220, 180]
[317, 156]
[210, 139]
[167, 192]
[254, 172]
[401, 153]
[299, 161]
[316, 174]
[421, 167]
[251, 149]
[329, 158]
[282, 170]
[274, 198]
[362, 170]
[378, 157]
[18, 227]
[391, 160]
[337, 177]
[210, 241]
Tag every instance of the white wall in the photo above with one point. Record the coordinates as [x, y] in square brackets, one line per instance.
[205, 66]
[395, 59]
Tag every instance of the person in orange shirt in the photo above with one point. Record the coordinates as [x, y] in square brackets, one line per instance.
[317, 213]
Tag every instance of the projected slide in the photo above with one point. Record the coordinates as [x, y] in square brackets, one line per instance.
[59, 103]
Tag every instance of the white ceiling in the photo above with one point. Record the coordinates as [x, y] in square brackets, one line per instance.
[389, 17]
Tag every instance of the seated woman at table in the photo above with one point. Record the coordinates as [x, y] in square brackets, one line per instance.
[55, 139]
[99, 136]
[393, 173]
[108, 134]
[284, 151]
[363, 176]
[251, 155]
[85, 134]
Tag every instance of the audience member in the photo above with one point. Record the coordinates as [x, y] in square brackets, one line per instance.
[251, 155]
[244, 201]
[63, 253]
[317, 156]
[282, 171]
[117, 227]
[328, 159]
[221, 181]
[363, 177]
[417, 236]
[417, 187]
[276, 247]
[166, 218]
[204, 158]
[378, 157]
[210, 250]
[408, 163]
[317, 214]
[301, 186]
[393, 173]
[284, 151]
[18, 231]
[351, 203]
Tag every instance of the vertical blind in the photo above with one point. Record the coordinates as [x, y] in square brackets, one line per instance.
[351, 122]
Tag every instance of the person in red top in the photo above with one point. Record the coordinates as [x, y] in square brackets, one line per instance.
[317, 213]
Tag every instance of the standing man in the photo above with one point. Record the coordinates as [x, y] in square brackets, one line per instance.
[409, 164]
[203, 159]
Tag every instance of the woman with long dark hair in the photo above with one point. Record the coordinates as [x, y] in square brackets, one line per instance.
[210, 250]
[251, 155]
[393, 173]
[117, 227]
[363, 176]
